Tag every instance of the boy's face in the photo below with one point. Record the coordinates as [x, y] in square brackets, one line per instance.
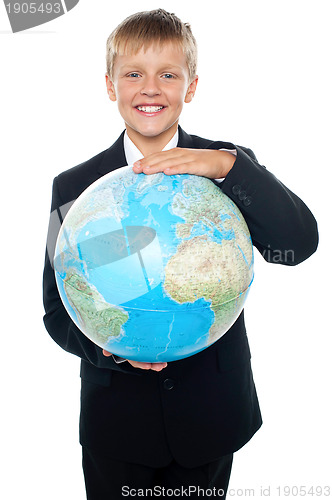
[150, 88]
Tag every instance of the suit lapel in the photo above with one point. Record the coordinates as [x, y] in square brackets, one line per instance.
[195, 142]
[113, 158]
[185, 140]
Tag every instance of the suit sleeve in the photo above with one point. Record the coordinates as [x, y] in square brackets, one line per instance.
[282, 227]
[56, 319]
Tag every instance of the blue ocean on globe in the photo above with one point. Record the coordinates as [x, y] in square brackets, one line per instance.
[153, 267]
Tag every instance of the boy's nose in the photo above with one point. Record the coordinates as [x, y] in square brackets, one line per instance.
[150, 87]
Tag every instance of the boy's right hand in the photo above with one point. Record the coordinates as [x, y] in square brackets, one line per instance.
[157, 367]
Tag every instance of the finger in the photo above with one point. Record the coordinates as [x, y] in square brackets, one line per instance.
[138, 167]
[155, 158]
[157, 367]
[138, 364]
[106, 353]
[147, 366]
[192, 168]
[178, 164]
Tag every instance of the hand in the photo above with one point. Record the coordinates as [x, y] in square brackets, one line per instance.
[157, 367]
[210, 163]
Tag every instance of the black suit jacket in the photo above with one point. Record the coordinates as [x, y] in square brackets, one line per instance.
[202, 407]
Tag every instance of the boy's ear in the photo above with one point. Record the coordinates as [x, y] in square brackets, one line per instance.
[191, 90]
[110, 88]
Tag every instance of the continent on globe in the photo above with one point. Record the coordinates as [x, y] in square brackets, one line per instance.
[200, 269]
[95, 315]
[153, 268]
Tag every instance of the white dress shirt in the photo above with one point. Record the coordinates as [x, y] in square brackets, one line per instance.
[132, 152]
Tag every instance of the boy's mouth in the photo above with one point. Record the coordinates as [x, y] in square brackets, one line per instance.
[150, 109]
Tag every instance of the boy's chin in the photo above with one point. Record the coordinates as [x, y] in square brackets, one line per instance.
[154, 133]
[147, 134]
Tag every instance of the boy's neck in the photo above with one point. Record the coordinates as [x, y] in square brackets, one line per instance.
[150, 145]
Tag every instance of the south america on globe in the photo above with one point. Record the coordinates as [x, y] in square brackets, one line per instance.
[153, 267]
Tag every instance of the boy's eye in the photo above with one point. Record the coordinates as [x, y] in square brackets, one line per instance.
[134, 75]
[168, 75]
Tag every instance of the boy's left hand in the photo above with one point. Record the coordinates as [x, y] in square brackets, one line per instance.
[210, 163]
[157, 367]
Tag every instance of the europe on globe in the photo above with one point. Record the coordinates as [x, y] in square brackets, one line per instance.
[153, 267]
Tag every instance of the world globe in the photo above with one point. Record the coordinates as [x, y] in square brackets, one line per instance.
[153, 268]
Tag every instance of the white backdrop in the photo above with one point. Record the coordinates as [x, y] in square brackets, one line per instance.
[265, 82]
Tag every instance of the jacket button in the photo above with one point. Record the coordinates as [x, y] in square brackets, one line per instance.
[247, 201]
[168, 384]
[236, 189]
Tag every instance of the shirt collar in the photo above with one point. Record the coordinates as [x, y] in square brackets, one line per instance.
[132, 152]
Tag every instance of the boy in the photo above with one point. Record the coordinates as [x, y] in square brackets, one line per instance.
[176, 425]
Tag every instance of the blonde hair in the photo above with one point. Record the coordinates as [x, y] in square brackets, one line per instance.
[144, 28]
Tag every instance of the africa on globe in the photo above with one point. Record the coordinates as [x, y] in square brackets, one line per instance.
[153, 267]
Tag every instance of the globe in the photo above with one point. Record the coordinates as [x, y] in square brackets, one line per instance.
[153, 267]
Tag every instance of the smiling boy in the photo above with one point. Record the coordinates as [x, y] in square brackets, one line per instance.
[150, 88]
[172, 425]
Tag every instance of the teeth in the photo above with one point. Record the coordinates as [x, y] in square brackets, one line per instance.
[150, 109]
